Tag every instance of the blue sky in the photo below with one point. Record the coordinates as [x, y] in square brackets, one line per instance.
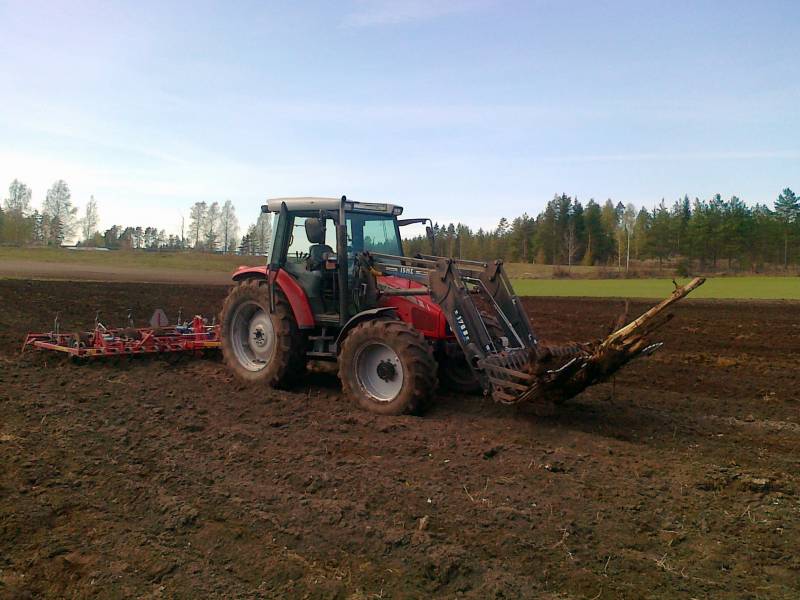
[467, 110]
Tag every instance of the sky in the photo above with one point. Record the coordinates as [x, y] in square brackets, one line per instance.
[464, 110]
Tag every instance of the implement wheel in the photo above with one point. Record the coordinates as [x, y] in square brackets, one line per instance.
[387, 367]
[257, 346]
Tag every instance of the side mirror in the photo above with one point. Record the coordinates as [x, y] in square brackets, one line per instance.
[264, 208]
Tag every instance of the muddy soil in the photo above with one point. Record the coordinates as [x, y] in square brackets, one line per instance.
[151, 479]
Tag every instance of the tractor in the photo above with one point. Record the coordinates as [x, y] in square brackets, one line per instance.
[337, 287]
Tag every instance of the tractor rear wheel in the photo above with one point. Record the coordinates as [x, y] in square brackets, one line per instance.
[387, 367]
[259, 346]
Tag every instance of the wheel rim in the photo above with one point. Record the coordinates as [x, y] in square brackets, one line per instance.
[379, 371]
[252, 336]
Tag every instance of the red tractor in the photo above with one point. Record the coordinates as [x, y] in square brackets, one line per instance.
[338, 288]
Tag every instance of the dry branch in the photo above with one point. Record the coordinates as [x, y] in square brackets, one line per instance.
[649, 316]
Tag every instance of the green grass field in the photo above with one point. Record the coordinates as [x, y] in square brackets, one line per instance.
[189, 261]
[755, 288]
[529, 280]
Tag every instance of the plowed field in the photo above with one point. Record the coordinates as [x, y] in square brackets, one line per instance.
[151, 479]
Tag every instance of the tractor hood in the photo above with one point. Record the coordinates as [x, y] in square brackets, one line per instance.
[422, 311]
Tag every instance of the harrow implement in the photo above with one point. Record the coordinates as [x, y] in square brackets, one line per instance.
[102, 341]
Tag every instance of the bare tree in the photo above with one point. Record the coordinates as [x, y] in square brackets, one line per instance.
[213, 226]
[570, 243]
[628, 224]
[229, 227]
[58, 207]
[262, 234]
[197, 222]
[90, 220]
[16, 224]
[19, 198]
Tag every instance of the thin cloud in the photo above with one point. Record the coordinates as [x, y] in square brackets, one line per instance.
[372, 13]
[672, 156]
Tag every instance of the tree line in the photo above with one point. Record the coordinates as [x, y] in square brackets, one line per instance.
[710, 233]
[21, 225]
[212, 227]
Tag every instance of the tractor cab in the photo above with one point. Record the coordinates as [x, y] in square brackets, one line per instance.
[317, 243]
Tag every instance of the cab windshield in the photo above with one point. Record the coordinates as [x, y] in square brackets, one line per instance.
[375, 233]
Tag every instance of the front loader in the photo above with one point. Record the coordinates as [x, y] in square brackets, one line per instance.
[338, 288]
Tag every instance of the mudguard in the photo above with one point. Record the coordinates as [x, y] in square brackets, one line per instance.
[364, 315]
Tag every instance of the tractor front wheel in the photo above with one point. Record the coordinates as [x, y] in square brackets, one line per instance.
[257, 345]
[457, 376]
[387, 367]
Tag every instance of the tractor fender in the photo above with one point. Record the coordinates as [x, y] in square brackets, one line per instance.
[297, 298]
[364, 315]
[245, 272]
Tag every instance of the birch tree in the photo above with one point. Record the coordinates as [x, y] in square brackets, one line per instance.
[229, 227]
[213, 226]
[197, 223]
[628, 223]
[16, 223]
[89, 220]
[58, 207]
[262, 234]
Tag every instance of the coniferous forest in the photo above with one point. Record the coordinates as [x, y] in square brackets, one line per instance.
[712, 234]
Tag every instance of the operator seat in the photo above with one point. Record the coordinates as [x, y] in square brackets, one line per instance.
[319, 250]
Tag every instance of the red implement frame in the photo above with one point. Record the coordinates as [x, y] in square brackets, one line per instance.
[190, 337]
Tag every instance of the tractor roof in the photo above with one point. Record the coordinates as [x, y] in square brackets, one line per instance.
[312, 203]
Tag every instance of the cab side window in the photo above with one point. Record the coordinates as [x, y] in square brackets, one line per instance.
[299, 244]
